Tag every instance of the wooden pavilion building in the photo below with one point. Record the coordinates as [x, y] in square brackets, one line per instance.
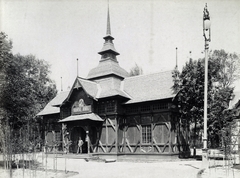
[115, 113]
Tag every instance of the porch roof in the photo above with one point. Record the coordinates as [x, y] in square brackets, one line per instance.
[90, 116]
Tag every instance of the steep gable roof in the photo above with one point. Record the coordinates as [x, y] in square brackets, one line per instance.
[149, 87]
[89, 87]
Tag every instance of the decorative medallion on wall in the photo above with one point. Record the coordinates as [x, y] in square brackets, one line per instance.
[79, 107]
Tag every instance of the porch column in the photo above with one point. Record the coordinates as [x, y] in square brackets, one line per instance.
[87, 140]
[116, 135]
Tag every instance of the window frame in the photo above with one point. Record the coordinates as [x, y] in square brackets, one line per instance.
[146, 134]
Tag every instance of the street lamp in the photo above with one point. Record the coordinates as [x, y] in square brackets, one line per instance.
[207, 38]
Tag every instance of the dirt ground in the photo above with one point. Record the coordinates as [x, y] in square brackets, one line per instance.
[141, 169]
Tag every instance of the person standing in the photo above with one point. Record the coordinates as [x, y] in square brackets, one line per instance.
[80, 144]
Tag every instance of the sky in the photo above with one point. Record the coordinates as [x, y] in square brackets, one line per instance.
[146, 32]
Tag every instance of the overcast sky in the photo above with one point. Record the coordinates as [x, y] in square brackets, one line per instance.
[146, 32]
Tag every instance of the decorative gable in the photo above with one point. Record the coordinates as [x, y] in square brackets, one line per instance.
[79, 107]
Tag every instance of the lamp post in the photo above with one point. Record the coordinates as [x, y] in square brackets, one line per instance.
[207, 38]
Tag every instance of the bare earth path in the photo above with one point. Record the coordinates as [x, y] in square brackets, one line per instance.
[120, 169]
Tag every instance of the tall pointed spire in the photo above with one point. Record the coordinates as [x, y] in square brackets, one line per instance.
[108, 51]
[108, 23]
[108, 66]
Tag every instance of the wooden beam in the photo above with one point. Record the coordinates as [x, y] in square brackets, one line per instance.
[100, 143]
[109, 150]
[130, 148]
[111, 123]
[135, 149]
[154, 125]
[139, 127]
[121, 147]
[152, 134]
[116, 135]
[124, 137]
[168, 125]
[165, 145]
[155, 144]
[106, 127]
[170, 139]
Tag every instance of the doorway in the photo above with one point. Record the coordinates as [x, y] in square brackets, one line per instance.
[75, 134]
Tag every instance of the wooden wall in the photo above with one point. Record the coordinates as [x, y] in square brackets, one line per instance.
[162, 139]
[124, 132]
[108, 141]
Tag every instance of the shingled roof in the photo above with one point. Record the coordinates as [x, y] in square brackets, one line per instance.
[89, 87]
[51, 108]
[111, 87]
[149, 87]
[105, 68]
[137, 89]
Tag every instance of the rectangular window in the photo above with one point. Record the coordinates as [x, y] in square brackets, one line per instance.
[146, 134]
[160, 106]
[101, 107]
[145, 108]
[132, 109]
[111, 106]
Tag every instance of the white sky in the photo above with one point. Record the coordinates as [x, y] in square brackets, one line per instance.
[146, 32]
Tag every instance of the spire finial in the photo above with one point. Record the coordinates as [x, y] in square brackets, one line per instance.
[108, 22]
[176, 59]
[77, 67]
[61, 85]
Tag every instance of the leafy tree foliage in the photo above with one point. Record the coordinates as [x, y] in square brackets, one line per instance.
[5, 54]
[26, 88]
[136, 70]
[189, 87]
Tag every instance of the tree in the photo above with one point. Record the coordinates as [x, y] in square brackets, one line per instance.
[136, 70]
[5, 54]
[188, 86]
[26, 88]
[225, 68]
[189, 89]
